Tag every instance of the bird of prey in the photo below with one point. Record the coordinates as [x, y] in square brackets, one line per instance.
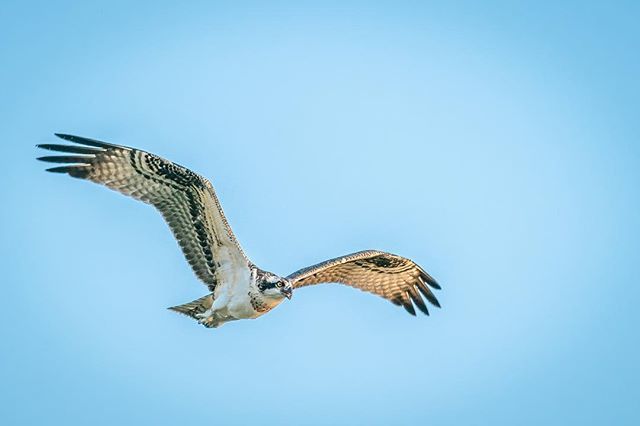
[238, 289]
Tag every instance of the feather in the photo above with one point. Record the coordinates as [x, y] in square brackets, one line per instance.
[397, 279]
[69, 148]
[185, 199]
[66, 159]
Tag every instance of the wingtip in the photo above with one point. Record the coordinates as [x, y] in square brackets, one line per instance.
[417, 301]
[408, 306]
[67, 137]
[87, 141]
[62, 169]
[424, 309]
[429, 280]
[52, 159]
[73, 159]
[75, 170]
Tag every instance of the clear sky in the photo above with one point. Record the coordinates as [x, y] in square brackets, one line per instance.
[495, 144]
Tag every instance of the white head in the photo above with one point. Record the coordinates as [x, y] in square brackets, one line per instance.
[272, 286]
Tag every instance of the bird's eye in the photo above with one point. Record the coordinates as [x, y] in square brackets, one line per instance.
[279, 284]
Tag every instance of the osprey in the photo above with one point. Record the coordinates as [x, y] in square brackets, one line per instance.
[238, 288]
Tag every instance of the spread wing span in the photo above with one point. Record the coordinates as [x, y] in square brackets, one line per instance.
[395, 278]
[186, 200]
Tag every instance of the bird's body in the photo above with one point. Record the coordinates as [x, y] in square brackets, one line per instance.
[238, 289]
[238, 298]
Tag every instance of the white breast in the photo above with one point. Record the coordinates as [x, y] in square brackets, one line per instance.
[232, 298]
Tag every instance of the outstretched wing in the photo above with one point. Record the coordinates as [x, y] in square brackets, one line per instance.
[186, 200]
[395, 278]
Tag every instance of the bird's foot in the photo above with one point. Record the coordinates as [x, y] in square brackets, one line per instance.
[206, 314]
[207, 318]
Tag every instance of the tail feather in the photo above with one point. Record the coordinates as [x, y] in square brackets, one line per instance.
[197, 306]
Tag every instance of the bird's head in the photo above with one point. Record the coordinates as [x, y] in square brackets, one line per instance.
[274, 287]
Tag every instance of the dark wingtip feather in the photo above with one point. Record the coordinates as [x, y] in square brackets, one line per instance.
[435, 302]
[63, 169]
[86, 141]
[65, 136]
[426, 292]
[429, 280]
[65, 159]
[75, 171]
[409, 307]
[417, 300]
[421, 305]
[69, 148]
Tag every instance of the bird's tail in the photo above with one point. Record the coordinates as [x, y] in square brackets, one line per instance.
[198, 306]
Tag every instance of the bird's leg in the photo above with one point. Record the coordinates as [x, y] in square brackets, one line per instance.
[207, 316]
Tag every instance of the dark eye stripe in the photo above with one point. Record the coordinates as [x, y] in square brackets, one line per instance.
[270, 285]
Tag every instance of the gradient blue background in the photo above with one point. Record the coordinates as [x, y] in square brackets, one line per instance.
[496, 145]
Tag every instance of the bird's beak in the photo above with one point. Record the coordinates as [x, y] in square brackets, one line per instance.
[288, 292]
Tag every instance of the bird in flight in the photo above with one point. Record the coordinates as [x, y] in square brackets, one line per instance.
[238, 289]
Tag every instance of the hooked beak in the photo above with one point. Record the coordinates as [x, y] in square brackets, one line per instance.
[287, 292]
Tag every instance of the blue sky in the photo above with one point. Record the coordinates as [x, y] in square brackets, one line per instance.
[495, 144]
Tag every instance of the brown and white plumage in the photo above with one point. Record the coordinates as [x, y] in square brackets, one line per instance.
[395, 278]
[185, 199]
[239, 289]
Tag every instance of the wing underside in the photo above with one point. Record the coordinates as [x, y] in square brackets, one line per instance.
[392, 277]
[186, 200]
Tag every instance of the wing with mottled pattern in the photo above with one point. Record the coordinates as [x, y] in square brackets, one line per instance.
[395, 278]
[186, 200]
